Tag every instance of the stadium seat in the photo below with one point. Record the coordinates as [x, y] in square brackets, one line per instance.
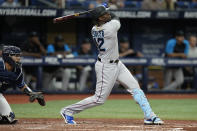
[37, 3]
[1, 1]
[193, 5]
[16, 38]
[74, 4]
[132, 4]
[86, 4]
[185, 0]
[134, 0]
[182, 5]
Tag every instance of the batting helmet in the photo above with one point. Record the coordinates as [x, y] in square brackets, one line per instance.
[98, 11]
[9, 51]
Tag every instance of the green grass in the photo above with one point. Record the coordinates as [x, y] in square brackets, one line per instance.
[185, 109]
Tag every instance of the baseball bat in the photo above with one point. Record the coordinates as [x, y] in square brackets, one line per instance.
[64, 18]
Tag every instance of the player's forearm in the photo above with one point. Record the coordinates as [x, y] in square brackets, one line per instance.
[34, 95]
[123, 54]
[26, 90]
[127, 53]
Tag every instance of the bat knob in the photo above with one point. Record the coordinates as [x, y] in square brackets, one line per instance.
[58, 20]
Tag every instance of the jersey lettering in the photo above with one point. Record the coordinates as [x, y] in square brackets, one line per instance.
[98, 37]
[98, 34]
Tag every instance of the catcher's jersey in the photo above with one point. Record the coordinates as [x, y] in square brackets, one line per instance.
[105, 37]
[10, 79]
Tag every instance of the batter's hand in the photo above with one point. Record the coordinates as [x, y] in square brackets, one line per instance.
[39, 96]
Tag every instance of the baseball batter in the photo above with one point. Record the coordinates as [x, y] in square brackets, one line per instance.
[11, 76]
[109, 69]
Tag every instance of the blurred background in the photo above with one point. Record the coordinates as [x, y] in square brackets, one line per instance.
[59, 58]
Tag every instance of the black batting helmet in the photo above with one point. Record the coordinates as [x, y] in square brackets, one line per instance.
[98, 11]
[9, 51]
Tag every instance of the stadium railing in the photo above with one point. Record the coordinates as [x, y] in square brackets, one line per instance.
[144, 62]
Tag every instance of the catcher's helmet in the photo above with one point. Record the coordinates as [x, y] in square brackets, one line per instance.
[9, 51]
[98, 11]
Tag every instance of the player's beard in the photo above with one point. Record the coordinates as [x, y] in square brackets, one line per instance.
[109, 19]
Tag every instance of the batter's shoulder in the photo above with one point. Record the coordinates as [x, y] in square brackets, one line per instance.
[94, 27]
[114, 24]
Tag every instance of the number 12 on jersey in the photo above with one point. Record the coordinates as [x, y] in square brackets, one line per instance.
[99, 42]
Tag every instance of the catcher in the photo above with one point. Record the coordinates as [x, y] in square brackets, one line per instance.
[11, 76]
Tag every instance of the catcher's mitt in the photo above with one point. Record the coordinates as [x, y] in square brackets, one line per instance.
[37, 95]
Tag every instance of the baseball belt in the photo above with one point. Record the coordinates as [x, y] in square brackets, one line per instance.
[111, 61]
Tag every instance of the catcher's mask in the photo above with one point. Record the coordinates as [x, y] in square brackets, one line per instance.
[98, 11]
[9, 51]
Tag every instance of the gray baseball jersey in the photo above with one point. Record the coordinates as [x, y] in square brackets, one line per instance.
[108, 71]
[106, 40]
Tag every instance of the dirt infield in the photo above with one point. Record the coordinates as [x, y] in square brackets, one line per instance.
[98, 124]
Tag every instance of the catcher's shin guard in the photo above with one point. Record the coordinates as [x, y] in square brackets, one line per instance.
[8, 119]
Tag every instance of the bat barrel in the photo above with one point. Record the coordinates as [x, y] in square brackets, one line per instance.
[64, 18]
